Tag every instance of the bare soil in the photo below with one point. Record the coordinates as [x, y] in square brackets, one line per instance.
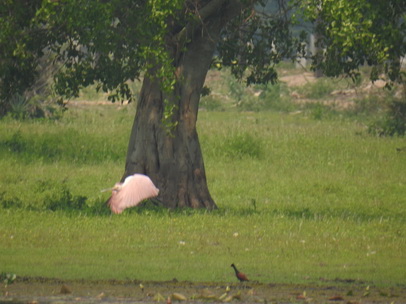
[41, 290]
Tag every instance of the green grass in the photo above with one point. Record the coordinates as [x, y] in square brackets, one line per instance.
[198, 247]
[300, 200]
[320, 89]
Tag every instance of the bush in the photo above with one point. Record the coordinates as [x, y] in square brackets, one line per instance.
[393, 123]
[272, 97]
[62, 199]
[319, 111]
[211, 103]
[49, 195]
[7, 203]
[367, 105]
[318, 90]
[19, 107]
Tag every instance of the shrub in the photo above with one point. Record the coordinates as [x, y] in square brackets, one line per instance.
[46, 194]
[236, 89]
[250, 103]
[275, 97]
[319, 111]
[211, 103]
[368, 105]
[19, 107]
[57, 196]
[393, 123]
[7, 203]
[318, 90]
[272, 97]
[16, 144]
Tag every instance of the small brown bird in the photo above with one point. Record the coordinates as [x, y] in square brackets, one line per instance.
[240, 276]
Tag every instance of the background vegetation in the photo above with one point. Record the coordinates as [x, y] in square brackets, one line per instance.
[307, 191]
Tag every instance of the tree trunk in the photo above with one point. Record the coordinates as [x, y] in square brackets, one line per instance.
[174, 161]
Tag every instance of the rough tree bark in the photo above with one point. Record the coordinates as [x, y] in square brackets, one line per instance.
[174, 162]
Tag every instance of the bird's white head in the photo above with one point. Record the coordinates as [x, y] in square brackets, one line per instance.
[117, 187]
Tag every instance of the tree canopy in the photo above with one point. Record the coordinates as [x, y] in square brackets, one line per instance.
[111, 42]
[357, 33]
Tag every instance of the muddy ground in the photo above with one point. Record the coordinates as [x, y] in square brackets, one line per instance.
[40, 290]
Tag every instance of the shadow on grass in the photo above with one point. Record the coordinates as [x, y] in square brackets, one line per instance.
[72, 205]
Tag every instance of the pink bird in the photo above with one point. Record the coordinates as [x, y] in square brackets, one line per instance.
[134, 190]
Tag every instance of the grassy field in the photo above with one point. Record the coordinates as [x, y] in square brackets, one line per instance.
[300, 200]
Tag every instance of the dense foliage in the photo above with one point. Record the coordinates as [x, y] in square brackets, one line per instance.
[21, 45]
[109, 43]
[355, 33]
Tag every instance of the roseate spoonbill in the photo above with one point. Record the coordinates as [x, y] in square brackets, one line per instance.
[240, 276]
[134, 190]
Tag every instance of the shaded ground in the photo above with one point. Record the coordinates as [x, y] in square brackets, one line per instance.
[39, 290]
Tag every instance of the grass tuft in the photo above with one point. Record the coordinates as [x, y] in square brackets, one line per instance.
[319, 89]
[242, 145]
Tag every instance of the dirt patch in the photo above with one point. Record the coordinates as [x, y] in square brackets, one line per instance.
[297, 80]
[38, 290]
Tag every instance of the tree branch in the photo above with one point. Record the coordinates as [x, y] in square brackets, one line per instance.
[228, 8]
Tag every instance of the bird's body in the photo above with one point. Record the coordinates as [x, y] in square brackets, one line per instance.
[240, 276]
[134, 190]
